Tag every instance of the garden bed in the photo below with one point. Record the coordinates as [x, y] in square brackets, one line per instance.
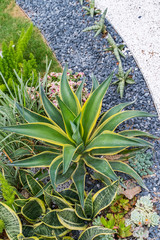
[61, 24]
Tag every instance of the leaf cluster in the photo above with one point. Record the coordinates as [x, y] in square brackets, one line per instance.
[99, 27]
[91, 9]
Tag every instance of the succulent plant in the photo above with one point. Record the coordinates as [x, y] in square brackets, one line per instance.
[99, 27]
[138, 217]
[91, 9]
[145, 203]
[116, 49]
[141, 233]
[81, 2]
[2, 226]
[97, 221]
[123, 79]
[141, 163]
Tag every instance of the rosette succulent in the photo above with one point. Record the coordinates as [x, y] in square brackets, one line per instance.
[72, 138]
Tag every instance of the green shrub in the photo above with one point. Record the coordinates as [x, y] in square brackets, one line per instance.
[13, 60]
[8, 192]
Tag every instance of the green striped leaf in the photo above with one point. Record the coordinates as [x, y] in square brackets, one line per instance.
[68, 152]
[43, 230]
[51, 219]
[41, 131]
[52, 112]
[33, 209]
[12, 223]
[92, 107]
[33, 184]
[31, 117]
[95, 83]
[101, 166]
[69, 219]
[88, 205]
[109, 139]
[104, 197]
[43, 159]
[79, 180]
[54, 168]
[70, 195]
[92, 232]
[125, 168]
[67, 95]
[79, 92]
[58, 200]
[22, 176]
[80, 213]
[112, 122]
[20, 202]
[116, 109]
[67, 116]
[137, 133]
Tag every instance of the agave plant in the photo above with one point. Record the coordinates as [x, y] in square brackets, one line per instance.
[72, 138]
[99, 26]
[123, 79]
[116, 49]
[91, 9]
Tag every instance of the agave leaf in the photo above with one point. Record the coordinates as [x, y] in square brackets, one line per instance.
[52, 112]
[99, 176]
[43, 159]
[79, 180]
[62, 178]
[104, 197]
[137, 133]
[33, 209]
[100, 165]
[107, 151]
[58, 200]
[88, 205]
[116, 109]
[51, 219]
[54, 168]
[92, 232]
[95, 83]
[68, 152]
[121, 88]
[67, 116]
[13, 225]
[115, 120]
[31, 117]
[108, 139]
[33, 184]
[41, 131]
[69, 219]
[92, 107]
[125, 168]
[67, 95]
[80, 214]
[79, 92]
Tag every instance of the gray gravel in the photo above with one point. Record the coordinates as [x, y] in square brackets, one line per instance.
[61, 22]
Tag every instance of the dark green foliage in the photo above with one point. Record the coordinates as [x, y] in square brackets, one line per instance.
[13, 59]
[142, 163]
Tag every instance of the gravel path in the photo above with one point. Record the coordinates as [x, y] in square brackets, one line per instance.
[61, 22]
[138, 22]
